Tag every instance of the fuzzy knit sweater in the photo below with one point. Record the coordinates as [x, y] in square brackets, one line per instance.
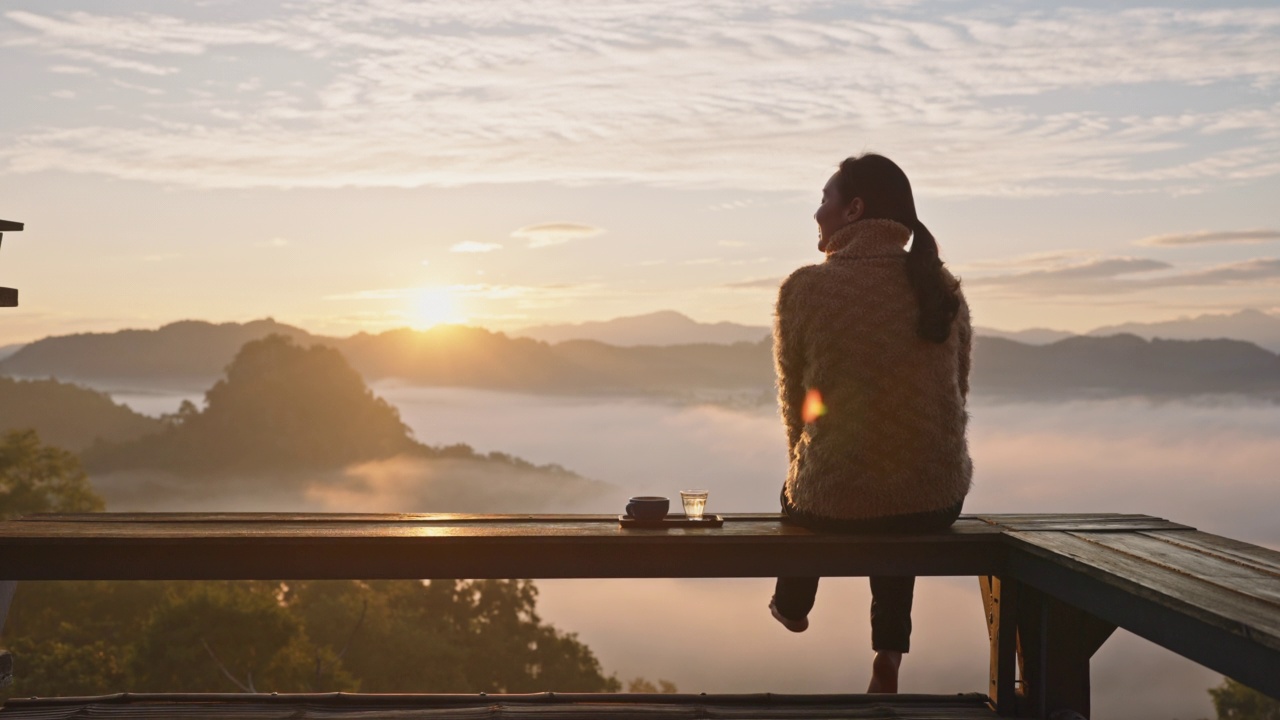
[888, 435]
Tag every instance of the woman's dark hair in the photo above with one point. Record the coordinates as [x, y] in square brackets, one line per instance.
[886, 194]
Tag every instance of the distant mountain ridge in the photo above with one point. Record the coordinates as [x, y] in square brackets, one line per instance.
[456, 356]
[668, 327]
[1254, 326]
[665, 327]
[1031, 336]
[1085, 367]
[188, 352]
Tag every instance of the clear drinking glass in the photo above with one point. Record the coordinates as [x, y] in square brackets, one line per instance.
[695, 501]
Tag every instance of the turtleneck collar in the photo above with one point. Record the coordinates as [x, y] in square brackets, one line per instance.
[869, 238]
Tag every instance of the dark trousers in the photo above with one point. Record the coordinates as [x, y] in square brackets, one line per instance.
[891, 595]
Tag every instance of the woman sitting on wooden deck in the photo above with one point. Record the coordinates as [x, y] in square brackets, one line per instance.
[872, 354]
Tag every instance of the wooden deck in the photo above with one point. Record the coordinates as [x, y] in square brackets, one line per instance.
[1055, 586]
[543, 706]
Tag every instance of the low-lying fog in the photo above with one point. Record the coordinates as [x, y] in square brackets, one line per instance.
[1207, 464]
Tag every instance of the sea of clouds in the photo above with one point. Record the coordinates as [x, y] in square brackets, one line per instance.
[1204, 463]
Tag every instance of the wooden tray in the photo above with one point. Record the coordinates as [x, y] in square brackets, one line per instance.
[670, 521]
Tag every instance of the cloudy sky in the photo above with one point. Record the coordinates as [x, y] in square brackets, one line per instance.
[366, 164]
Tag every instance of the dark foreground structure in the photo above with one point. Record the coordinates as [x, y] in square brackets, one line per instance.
[1054, 588]
[9, 296]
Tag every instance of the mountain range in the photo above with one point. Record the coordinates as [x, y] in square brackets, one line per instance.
[191, 354]
[1254, 326]
[668, 327]
[665, 327]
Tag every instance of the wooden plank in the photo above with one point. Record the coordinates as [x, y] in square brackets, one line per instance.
[1230, 576]
[1229, 549]
[1096, 522]
[10, 226]
[545, 706]
[1235, 634]
[586, 546]
[1000, 603]
[965, 525]
[582, 527]
[1199, 597]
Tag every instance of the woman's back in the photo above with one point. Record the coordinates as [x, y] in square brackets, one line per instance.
[891, 439]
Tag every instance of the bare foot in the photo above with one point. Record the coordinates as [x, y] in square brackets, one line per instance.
[884, 672]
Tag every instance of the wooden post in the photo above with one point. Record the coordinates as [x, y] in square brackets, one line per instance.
[1056, 641]
[1000, 603]
[9, 296]
[7, 588]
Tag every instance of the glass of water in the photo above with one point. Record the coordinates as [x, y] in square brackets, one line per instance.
[695, 501]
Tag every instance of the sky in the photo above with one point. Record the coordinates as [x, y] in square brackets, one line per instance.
[368, 164]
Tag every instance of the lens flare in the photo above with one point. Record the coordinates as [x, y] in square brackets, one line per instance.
[814, 408]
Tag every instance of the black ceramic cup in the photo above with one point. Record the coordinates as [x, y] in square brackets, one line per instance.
[648, 507]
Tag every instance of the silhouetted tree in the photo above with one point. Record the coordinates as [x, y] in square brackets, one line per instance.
[41, 478]
[280, 407]
[1236, 701]
[88, 638]
[227, 636]
[446, 636]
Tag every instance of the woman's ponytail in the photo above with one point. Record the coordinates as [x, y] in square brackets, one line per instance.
[886, 192]
[935, 292]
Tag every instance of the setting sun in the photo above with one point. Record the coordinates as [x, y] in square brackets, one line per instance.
[434, 306]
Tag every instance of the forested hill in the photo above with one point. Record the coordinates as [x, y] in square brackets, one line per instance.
[288, 427]
[1085, 367]
[67, 415]
[471, 357]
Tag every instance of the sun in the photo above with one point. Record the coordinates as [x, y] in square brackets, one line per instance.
[433, 306]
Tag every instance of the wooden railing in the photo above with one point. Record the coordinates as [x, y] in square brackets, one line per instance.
[1054, 586]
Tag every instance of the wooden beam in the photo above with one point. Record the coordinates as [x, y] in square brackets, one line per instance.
[539, 706]
[1228, 621]
[999, 601]
[373, 547]
[8, 297]
[1057, 640]
[10, 226]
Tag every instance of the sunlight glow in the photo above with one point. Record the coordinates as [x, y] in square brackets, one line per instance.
[431, 306]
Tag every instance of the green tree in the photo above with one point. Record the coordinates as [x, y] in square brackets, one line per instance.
[446, 636]
[41, 478]
[1236, 701]
[227, 636]
[74, 638]
[374, 636]
[641, 685]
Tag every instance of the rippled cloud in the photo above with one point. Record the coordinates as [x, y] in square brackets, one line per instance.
[973, 101]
